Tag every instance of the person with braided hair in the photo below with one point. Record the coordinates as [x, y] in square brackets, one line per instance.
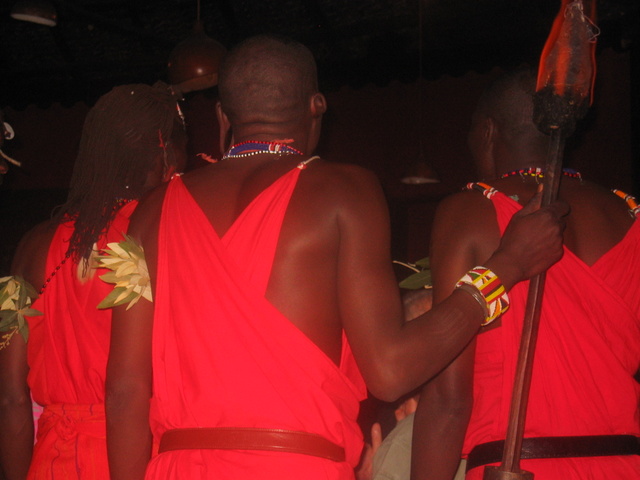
[133, 139]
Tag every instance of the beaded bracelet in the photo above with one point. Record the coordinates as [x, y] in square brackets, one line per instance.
[491, 294]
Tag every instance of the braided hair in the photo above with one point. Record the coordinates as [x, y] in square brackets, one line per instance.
[124, 140]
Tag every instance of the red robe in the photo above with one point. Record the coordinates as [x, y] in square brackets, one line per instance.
[587, 353]
[223, 356]
[67, 354]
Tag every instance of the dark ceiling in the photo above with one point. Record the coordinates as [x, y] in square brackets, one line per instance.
[101, 43]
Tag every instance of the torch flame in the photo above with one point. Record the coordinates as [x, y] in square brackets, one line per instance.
[567, 65]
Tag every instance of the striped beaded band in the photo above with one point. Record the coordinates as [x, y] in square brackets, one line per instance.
[489, 286]
[486, 190]
[634, 209]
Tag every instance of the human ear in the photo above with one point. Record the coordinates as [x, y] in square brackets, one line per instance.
[488, 139]
[482, 137]
[225, 128]
[318, 104]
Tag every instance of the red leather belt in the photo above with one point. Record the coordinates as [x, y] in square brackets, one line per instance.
[558, 447]
[274, 440]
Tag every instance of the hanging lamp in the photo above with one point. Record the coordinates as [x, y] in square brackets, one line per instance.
[420, 171]
[41, 12]
[194, 62]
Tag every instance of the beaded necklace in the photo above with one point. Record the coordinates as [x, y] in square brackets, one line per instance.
[634, 208]
[121, 203]
[53, 274]
[538, 173]
[250, 147]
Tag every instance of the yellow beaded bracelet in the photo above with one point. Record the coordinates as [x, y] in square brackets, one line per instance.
[489, 292]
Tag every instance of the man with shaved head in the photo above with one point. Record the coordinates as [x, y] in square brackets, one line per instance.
[271, 82]
[583, 409]
[275, 303]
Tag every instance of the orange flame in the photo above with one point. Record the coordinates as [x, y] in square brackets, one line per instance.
[567, 65]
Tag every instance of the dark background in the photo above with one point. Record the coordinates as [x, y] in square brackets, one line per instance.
[101, 43]
[397, 74]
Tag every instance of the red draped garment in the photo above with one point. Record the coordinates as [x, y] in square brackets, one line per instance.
[223, 356]
[67, 355]
[587, 353]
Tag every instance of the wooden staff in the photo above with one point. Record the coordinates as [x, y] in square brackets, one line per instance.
[563, 96]
[510, 466]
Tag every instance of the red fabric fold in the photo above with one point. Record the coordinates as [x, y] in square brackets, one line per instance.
[586, 356]
[71, 443]
[223, 356]
[67, 355]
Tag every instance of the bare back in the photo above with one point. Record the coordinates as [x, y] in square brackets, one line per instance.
[598, 218]
[30, 258]
[466, 229]
[306, 273]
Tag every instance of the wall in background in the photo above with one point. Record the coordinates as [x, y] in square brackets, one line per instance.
[376, 127]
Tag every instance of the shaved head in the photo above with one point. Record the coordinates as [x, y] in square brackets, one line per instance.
[509, 101]
[503, 135]
[507, 105]
[267, 79]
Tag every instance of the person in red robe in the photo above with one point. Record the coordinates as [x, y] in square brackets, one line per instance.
[275, 298]
[133, 139]
[588, 349]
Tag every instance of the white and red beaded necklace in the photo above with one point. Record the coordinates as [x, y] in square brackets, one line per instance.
[250, 147]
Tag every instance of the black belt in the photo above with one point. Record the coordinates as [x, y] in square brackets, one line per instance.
[251, 439]
[557, 447]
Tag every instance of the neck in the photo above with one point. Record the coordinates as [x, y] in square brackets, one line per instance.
[291, 137]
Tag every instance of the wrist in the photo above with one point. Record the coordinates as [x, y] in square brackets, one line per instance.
[487, 289]
[507, 270]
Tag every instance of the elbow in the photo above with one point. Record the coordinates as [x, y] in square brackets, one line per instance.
[391, 376]
[114, 400]
[122, 395]
[384, 389]
[14, 399]
[387, 380]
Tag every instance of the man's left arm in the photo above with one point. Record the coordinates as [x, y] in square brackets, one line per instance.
[128, 391]
[129, 385]
[16, 408]
[16, 415]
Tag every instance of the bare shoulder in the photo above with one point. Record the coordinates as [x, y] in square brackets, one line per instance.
[342, 176]
[30, 258]
[465, 232]
[590, 195]
[465, 217]
[349, 197]
[147, 214]
[341, 185]
[595, 207]
[599, 219]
